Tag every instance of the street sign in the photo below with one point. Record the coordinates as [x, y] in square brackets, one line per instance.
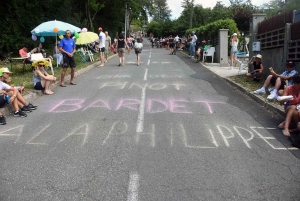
[144, 26]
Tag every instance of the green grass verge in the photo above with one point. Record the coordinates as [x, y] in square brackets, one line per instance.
[25, 79]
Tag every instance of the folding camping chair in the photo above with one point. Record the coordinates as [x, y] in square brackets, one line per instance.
[83, 56]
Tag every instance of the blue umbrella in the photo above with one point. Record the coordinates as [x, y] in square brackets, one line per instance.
[47, 28]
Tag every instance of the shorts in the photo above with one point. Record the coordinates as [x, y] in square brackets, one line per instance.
[38, 86]
[171, 45]
[129, 44]
[106, 50]
[2, 100]
[121, 50]
[273, 82]
[102, 49]
[68, 62]
[234, 49]
[138, 50]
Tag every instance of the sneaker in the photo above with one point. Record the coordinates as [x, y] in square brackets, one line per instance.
[270, 89]
[230, 67]
[260, 91]
[2, 120]
[272, 96]
[20, 114]
[32, 107]
[26, 109]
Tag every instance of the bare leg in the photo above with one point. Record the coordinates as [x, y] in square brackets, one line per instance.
[288, 118]
[267, 81]
[62, 80]
[72, 75]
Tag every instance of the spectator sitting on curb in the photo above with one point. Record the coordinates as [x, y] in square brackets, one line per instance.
[257, 68]
[2, 118]
[19, 104]
[278, 81]
[291, 106]
[41, 79]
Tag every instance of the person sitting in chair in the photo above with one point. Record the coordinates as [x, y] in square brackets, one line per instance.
[39, 49]
[57, 54]
[23, 52]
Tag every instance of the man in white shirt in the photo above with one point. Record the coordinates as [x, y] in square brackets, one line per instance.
[102, 39]
[193, 44]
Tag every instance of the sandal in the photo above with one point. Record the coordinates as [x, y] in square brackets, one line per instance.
[281, 125]
[286, 133]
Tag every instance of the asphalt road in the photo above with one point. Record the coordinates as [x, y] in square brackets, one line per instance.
[167, 130]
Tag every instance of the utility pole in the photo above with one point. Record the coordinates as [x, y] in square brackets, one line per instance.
[125, 20]
[192, 12]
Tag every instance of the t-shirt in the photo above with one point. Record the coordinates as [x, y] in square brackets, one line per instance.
[176, 39]
[256, 66]
[102, 38]
[296, 99]
[138, 45]
[107, 41]
[67, 44]
[22, 53]
[171, 40]
[291, 73]
[194, 39]
[4, 86]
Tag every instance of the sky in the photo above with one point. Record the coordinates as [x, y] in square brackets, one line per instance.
[175, 5]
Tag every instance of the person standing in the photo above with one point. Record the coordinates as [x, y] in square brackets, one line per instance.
[138, 46]
[129, 43]
[107, 45]
[121, 44]
[234, 44]
[193, 44]
[102, 39]
[67, 47]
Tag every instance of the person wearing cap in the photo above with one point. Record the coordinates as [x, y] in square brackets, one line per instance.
[41, 79]
[278, 81]
[18, 102]
[257, 68]
[57, 54]
[234, 44]
[193, 44]
[102, 39]
[67, 47]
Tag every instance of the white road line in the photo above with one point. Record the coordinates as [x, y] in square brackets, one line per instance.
[145, 75]
[133, 187]
[148, 62]
[140, 121]
[149, 56]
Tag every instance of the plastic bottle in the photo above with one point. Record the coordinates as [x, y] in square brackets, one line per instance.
[7, 98]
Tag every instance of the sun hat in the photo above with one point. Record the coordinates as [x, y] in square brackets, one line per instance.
[37, 62]
[259, 56]
[5, 70]
[234, 34]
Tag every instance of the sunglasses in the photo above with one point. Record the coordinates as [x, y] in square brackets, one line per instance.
[41, 65]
